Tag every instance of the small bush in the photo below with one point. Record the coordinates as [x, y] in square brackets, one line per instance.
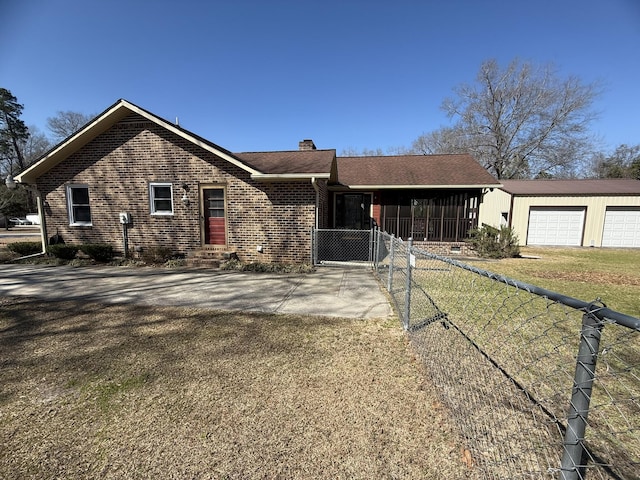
[25, 248]
[490, 242]
[156, 255]
[100, 252]
[239, 266]
[175, 263]
[63, 251]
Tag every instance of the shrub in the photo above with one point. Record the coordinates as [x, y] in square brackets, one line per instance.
[63, 251]
[492, 242]
[100, 252]
[25, 248]
[237, 265]
[157, 255]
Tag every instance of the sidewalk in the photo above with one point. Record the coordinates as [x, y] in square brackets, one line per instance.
[330, 292]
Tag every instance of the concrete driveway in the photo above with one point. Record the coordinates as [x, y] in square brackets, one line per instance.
[331, 292]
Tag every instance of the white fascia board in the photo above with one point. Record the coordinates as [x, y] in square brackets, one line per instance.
[119, 111]
[284, 177]
[415, 187]
[68, 144]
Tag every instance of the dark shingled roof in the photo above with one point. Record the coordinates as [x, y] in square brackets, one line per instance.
[414, 170]
[617, 186]
[292, 162]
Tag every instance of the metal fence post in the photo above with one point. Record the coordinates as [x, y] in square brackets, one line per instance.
[573, 465]
[391, 260]
[371, 244]
[314, 246]
[376, 248]
[407, 293]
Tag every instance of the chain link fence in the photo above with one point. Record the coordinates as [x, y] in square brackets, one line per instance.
[516, 366]
[342, 246]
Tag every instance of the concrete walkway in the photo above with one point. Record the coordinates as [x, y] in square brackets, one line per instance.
[331, 292]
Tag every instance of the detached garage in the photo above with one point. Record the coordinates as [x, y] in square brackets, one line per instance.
[590, 213]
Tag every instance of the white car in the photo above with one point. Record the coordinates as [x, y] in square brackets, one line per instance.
[19, 221]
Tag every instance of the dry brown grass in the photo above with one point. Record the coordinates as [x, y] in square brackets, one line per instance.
[135, 392]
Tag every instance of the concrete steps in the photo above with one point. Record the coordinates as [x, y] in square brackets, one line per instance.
[209, 257]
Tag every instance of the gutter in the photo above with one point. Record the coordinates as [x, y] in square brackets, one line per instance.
[33, 255]
[421, 187]
[11, 184]
[284, 177]
[314, 182]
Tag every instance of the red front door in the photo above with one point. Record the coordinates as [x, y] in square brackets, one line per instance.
[214, 216]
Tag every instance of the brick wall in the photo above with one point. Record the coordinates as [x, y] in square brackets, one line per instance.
[447, 249]
[118, 166]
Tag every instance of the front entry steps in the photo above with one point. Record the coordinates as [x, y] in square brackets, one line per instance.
[210, 256]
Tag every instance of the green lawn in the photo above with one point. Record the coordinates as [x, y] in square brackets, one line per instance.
[613, 275]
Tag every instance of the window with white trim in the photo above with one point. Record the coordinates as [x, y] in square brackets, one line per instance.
[161, 198]
[78, 205]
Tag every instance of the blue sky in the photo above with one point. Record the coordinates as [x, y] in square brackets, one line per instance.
[262, 75]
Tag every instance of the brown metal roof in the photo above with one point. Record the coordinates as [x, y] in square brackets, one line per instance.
[413, 170]
[289, 162]
[617, 186]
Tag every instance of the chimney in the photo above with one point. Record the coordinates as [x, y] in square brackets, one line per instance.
[306, 145]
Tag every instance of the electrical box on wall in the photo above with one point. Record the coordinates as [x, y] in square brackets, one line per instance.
[125, 217]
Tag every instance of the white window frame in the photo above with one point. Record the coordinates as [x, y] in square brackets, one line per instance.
[152, 198]
[70, 205]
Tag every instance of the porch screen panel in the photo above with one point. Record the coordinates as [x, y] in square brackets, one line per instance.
[437, 219]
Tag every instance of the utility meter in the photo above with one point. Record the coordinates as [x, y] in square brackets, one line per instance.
[125, 217]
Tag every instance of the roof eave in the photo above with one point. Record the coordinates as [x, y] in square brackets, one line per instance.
[288, 177]
[74, 142]
[421, 187]
[101, 124]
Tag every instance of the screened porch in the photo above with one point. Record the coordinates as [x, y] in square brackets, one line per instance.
[446, 218]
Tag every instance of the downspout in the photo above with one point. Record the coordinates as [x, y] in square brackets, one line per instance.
[314, 182]
[11, 185]
[43, 223]
[510, 222]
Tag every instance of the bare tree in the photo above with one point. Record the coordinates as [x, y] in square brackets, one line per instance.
[521, 121]
[444, 140]
[35, 146]
[66, 123]
[624, 162]
[377, 152]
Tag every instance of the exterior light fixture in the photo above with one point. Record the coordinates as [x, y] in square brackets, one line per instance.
[185, 198]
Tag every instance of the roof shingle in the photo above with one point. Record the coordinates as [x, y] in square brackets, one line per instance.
[290, 162]
[414, 170]
[612, 186]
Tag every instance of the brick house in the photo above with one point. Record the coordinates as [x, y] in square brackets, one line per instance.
[181, 191]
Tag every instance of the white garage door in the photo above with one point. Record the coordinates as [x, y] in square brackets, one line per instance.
[621, 227]
[554, 226]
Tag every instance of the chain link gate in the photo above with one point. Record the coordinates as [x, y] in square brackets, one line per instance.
[342, 246]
